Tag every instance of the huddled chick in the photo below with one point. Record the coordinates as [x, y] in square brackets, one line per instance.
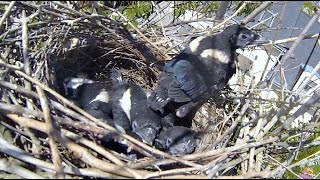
[130, 110]
[178, 140]
[94, 97]
[124, 105]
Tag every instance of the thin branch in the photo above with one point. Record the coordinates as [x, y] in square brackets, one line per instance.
[51, 133]
[228, 19]
[248, 175]
[7, 148]
[289, 53]
[137, 30]
[252, 15]
[9, 66]
[80, 151]
[13, 168]
[303, 108]
[7, 13]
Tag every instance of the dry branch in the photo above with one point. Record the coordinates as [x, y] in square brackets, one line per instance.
[6, 14]
[51, 131]
[229, 18]
[251, 16]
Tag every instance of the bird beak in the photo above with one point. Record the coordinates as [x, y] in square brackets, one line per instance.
[258, 40]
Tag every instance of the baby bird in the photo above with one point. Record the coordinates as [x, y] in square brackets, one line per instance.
[130, 110]
[178, 140]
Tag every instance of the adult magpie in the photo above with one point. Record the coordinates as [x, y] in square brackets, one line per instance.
[201, 70]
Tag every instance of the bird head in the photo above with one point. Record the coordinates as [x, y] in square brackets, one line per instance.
[242, 36]
[178, 140]
[146, 132]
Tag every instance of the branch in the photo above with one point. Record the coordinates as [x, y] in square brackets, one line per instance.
[255, 12]
[81, 152]
[18, 170]
[7, 13]
[283, 41]
[228, 19]
[289, 53]
[51, 133]
[301, 110]
[8, 148]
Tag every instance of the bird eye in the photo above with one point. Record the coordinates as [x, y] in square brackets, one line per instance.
[169, 141]
[134, 125]
[244, 36]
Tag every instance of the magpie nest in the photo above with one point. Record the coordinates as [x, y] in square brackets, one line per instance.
[42, 134]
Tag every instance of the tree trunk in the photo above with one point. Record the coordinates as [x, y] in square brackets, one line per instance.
[222, 10]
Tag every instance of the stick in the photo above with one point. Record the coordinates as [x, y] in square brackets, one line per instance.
[7, 13]
[255, 12]
[289, 53]
[16, 169]
[228, 19]
[51, 133]
[79, 151]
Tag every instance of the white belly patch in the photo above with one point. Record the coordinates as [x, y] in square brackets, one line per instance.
[193, 45]
[125, 103]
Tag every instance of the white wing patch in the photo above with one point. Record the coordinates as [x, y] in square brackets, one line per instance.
[102, 96]
[193, 45]
[125, 103]
[215, 53]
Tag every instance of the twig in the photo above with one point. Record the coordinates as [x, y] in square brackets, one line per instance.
[7, 148]
[281, 165]
[255, 12]
[80, 151]
[230, 149]
[6, 14]
[228, 19]
[234, 124]
[289, 53]
[248, 175]
[51, 133]
[300, 111]
[188, 176]
[16, 169]
[239, 160]
[282, 41]
[161, 24]
[100, 150]
[10, 66]
[308, 78]
[68, 8]
[94, 146]
[137, 30]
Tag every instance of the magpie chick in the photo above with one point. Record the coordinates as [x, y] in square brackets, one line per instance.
[201, 70]
[92, 96]
[177, 140]
[130, 110]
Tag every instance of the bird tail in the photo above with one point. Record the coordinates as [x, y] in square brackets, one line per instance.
[116, 75]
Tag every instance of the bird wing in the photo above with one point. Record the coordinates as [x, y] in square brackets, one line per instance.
[188, 83]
